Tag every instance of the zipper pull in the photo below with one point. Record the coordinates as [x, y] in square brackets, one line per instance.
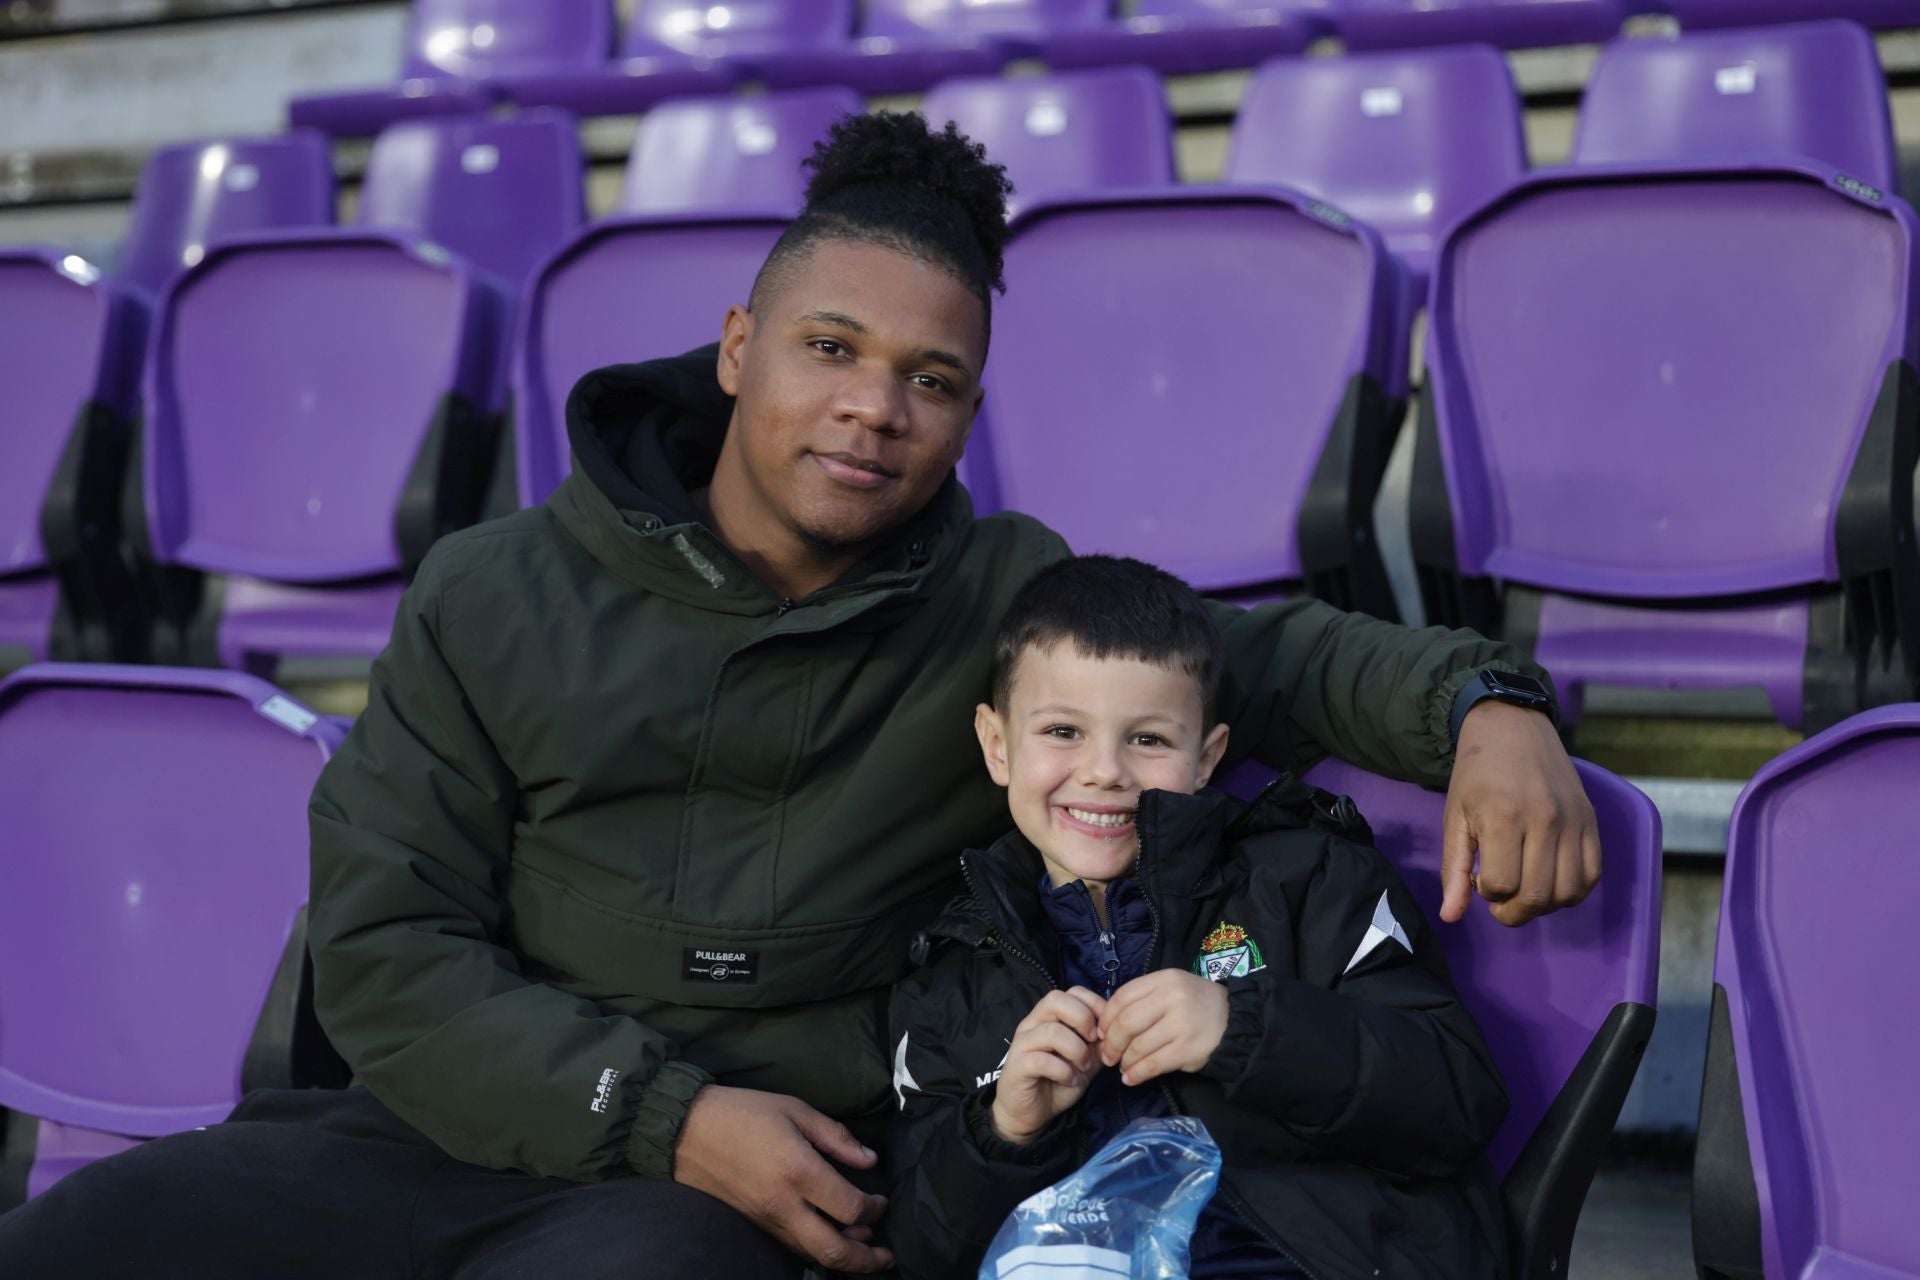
[787, 606]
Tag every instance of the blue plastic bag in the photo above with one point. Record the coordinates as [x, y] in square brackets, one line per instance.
[1127, 1214]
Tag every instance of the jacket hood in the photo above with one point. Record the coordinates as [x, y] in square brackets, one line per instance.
[644, 437]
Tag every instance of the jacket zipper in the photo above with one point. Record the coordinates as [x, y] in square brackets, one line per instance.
[787, 606]
[1173, 1104]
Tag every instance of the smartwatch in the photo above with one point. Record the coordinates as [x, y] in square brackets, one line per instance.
[1501, 686]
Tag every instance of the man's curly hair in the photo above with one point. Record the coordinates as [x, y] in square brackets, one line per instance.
[889, 180]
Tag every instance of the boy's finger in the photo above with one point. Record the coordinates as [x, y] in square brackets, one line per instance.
[1066, 1009]
[1062, 1042]
[1146, 1044]
[1152, 1067]
[1117, 1032]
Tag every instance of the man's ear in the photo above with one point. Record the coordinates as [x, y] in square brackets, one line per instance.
[1211, 752]
[735, 332]
[992, 732]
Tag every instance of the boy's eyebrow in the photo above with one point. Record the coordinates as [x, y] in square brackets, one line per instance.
[1066, 709]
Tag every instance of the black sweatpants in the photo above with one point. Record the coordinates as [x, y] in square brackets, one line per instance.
[332, 1185]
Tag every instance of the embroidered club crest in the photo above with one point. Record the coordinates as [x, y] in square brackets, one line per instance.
[1228, 953]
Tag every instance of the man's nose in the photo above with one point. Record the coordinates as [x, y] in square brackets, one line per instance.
[873, 397]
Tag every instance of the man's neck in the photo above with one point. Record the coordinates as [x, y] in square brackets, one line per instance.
[790, 567]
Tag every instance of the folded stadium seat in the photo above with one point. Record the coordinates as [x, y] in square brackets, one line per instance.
[192, 194]
[674, 48]
[1405, 142]
[1208, 363]
[152, 950]
[1566, 1004]
[1506, 24]
[503, 194]
[1749, 13]
[1080, 131]
[906, 45]
[710, 186]
[1185, 37]
[1807, 1157]
[1812, 89]
[70, 343]
[459, 56]
[1668, 436]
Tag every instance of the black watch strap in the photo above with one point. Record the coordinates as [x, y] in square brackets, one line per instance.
[1501, 686]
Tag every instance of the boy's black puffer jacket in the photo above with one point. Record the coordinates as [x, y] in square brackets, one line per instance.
[1352, 1105]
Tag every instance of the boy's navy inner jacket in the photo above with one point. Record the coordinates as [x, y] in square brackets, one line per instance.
[1352, 1095]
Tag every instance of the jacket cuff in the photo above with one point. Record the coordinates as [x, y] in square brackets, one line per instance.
[1047, 1145]
[1246, 1010]
[1440, 707]
[658, 1114]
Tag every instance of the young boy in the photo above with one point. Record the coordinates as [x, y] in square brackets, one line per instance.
[1135, 949]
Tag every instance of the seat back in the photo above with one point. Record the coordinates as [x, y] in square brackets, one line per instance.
[730, 153]
[1077, 131]
[1808, 1133]
[1506, 24]
[1184, 375]
[1407, 142]
[1812, 90]
[285, 415]
[742, 28]
[480, 39]
[195, 193]
[139, 939]
[1566, 1003]
[1753, 13]
[1733, 327]
[502, 193]
[1029, 19]
[628, 289]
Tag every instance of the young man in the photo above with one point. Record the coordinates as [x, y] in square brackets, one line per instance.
[1133, 950]
[655, 782]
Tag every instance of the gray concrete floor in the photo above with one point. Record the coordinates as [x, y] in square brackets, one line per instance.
[1635, 1226]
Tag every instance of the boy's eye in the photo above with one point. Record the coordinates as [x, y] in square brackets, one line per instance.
[1064, 732]
[1148, 740]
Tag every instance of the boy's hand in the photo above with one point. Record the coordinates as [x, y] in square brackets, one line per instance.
[1168, 1020]
[1049, 1062]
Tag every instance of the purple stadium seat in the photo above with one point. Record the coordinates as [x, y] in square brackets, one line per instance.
[674, 48]
[1750, 13]
[1406, 142]
[461, 56]
[730, 153]
[1184, 37]
[1807, 1158]
[1673, 411]
[906, 45]
[1081, 131]
[70, 343]
[1813, 90]
[1148, 337]
[1566, 1003]
[317, 416]
[197, 192]
[501, 193]
[1507, 24]
[710, 187]
[151, 948]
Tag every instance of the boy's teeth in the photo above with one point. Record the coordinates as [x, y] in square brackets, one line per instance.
[1101, 819]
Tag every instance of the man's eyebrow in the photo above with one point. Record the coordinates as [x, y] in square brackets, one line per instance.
[937, 356]
[835, 319]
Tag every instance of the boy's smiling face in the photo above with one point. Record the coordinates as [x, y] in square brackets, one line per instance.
[1080, 739]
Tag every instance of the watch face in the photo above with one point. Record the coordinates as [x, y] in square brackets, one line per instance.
[1517, 685]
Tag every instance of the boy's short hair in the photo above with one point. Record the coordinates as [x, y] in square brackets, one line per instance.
[1112, 607]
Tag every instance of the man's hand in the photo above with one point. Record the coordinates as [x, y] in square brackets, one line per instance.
[1517, 802]
[1050, 1061]
[766, 1155]
[1168, 1020]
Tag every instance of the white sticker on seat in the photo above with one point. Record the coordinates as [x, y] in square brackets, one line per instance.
[241, 177]
[1736, 80]
[1046, 119]
[288, 714]
[481, 157]
[1384, 101]
[754, 137]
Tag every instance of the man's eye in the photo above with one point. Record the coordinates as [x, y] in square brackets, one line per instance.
[931, 383]
[827, 346]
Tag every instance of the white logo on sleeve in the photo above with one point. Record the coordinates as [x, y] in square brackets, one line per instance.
[1384, 926]
[603, 1091]
[902, 1078]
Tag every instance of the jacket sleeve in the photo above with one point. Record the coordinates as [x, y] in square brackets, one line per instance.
[1304, 680]
[1368, 1055]
[412, 833]
[954, 1180]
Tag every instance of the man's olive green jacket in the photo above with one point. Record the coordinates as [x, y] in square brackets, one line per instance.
[618, 821]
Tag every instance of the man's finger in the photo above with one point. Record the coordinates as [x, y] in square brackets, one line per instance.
[1591, 857]
[831, 1138]
[1456, 865]
[821, 1186]
[1539, 869]
[812, 1236]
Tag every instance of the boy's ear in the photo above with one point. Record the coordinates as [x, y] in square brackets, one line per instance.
[1211, 752]
[992, 732]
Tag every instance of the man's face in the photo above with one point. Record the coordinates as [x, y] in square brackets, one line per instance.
[857, 381]
[1080, 739]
